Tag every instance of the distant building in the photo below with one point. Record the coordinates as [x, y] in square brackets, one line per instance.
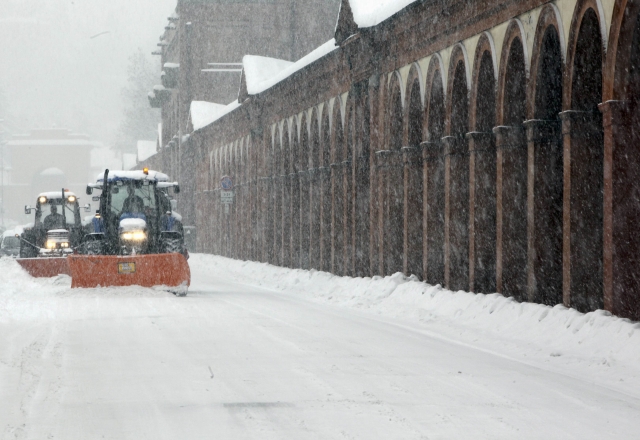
[44, 160]
[202, 50]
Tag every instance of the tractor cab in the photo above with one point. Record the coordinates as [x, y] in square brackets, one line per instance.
[136, 215]
[57, 227]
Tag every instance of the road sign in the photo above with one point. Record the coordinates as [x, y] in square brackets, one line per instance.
[226, 183]
[226, 197]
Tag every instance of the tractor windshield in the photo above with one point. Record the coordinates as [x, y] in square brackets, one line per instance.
[51, 214]
[133, 199]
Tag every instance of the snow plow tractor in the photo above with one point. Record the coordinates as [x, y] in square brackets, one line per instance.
[135, 238]
[55, 233]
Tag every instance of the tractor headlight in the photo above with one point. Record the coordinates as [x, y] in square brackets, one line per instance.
[134, 236]
[71, 199]
[51, 244]
[64, 244]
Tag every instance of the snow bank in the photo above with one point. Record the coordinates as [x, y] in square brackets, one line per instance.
[492, 322]
[368, 13]
[262, 73]
[205, 113]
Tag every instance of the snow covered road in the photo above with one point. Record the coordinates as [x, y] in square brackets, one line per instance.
[234, 360]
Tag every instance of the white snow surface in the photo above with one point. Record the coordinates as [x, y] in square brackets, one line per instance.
[132, 224]
[256, 351]
[368, 13]
[262, 73]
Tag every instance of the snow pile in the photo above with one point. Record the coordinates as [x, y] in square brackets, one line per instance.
[368, 13]
[262, 73]
[524, 330]
[205, 113]
[14, 282]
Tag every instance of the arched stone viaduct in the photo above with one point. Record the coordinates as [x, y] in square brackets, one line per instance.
[493, 148]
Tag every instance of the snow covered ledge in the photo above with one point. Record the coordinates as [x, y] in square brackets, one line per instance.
[589, 345]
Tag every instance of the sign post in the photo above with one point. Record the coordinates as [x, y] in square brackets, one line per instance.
[226, 193]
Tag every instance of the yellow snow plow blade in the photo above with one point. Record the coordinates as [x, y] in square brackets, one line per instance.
[163, 270]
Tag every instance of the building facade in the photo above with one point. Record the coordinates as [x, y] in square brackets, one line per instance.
[485, 147]
[43, 160]
[201, 54]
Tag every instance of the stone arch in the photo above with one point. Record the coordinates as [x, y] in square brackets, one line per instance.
[285, 196]
[621, 112]
[482, 168]
[314, 191]
[413, 174]
[545, 163]
[414, 111]
[583, 160]
[620, 70]
[511, 182]
[304, 188]
[433, 191]
[338, 210]
[395, 112]
[325, 189]
[482, 99]
[391, 181]
[512, 80]
[457, 174]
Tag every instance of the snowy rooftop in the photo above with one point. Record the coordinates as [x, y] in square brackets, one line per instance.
[368, 13]
[262, 73]
[204, 113]
[134, 175]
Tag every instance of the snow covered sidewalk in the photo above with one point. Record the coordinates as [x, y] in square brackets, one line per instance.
[594, 346]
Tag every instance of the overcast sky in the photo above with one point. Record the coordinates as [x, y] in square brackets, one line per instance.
[53, 72]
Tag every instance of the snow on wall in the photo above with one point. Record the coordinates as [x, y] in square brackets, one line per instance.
[205, 113]
[262, 73]
[368, 13]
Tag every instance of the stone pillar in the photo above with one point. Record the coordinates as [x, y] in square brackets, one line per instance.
[482, 212]
[295, 220]
[434, 205]
[621, 209]
[347, 203]
[583, 210]
[337, 219]
[456, 227]
[544, 211]
[315, 219]
[305, 225]
[390, 174]
[270, 211]
[286, 220]
[511, 213]
[325, 232]
[413, 211]
[380, 207]
[361, 232]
